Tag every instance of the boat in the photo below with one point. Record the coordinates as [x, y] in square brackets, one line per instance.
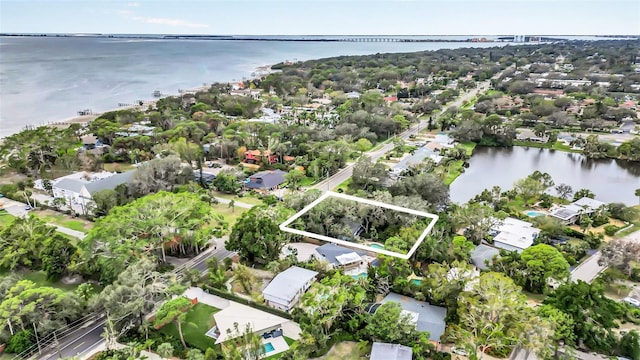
[157, 93]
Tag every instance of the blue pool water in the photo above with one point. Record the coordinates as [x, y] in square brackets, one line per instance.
[361, 275]
[376, 246]
[416, 281]
[268, 347]
[532, 213]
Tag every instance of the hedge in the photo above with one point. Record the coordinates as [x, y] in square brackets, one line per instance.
[229, 296]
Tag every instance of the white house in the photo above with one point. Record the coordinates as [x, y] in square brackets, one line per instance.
[285, 290]
[78, 188]
[514, 235]
[569, 214]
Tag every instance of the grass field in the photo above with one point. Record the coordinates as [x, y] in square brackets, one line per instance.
[64, 220]
[559, 146]
[198, 321]
[230, 215]
[248, 199]
[5, 219]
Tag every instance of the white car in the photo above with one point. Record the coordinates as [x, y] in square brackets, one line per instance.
[459, 351]
[632, 301]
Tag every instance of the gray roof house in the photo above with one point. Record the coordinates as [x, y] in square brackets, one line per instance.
[385, 351]
[426, 316]
[339, 256]
[482, 255]
[285, 290]
[265, 180]
[78, 190]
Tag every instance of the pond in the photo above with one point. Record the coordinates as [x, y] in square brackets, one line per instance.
[610, 180]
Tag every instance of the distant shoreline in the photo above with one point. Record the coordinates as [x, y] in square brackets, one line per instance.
[304, 38]
[260, 72]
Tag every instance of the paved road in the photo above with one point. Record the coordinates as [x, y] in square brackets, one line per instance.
[89, 337]
[345, 173]
[588, 270]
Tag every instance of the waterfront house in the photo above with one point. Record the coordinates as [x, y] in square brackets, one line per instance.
[385, 351]
[265, 181]
[416, 158]
[569, 214]
[514, 235]
[286, 289]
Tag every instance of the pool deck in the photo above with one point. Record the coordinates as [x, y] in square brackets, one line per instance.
[279, 346]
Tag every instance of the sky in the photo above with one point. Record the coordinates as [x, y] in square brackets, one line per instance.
[323, 17]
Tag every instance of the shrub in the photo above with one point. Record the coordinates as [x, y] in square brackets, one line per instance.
[20, 342]
[611, 230]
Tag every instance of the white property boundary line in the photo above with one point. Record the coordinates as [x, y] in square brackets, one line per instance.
[285, 225]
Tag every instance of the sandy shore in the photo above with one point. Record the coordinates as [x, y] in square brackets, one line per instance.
[258, 72]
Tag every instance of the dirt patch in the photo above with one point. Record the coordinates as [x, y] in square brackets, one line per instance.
[72, 280]
[346, 350]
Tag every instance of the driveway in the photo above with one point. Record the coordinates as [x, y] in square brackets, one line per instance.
[588, 270]
[211, 300]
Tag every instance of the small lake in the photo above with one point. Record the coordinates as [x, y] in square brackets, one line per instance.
[610, 180]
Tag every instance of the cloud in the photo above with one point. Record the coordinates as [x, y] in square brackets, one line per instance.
[168, 22]
[133, 4]
[130, 15]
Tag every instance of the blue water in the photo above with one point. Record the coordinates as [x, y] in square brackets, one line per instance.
[359, 276]
[376, 246]
[534, 213]
[45, 79]
[268, 347]
[416, 281]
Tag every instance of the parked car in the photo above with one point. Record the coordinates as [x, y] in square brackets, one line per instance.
[459, 351]
[632, 301]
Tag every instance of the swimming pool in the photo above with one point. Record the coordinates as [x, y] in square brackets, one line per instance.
[268, 347]
[376, 246]
[532, 213]
[359, 276]
[416, 281]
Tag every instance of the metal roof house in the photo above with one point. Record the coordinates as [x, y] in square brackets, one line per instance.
[385, 351]
[285, 290]
[265, 180]
[79, 190]
[569, 214]
[340, 257]
[482, 255]
[427, 317]
[514, 235]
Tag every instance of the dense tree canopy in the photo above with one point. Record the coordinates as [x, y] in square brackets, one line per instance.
[180, 223]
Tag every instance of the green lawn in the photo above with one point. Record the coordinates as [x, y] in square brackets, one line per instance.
[198, 321]
[247, 199]
[5, 218]
[454, 169]
[344, 186]
[230, 215]
[64, 220]
[40, 278]
[289, 341]
[469, 146]
[559, 146]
